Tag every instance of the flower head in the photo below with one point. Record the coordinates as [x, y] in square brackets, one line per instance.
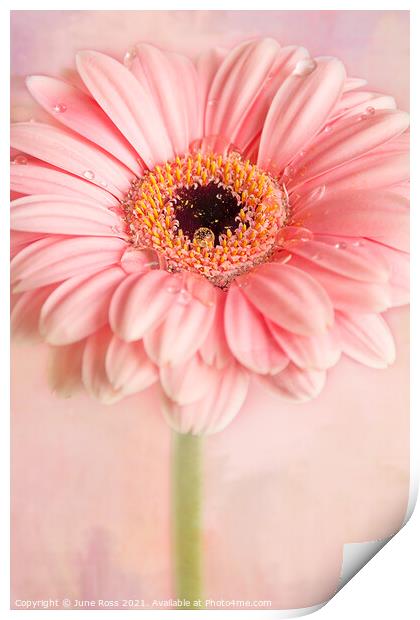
[197, 224]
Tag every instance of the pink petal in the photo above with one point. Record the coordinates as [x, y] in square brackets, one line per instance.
[189, 381]
[350, 138]
[362, 102]
[65, 369]
[63, 215]
[215, 349]
[37, 179]
[127, 366]
[366, 338]
[216, 410]
[297, 384]
[128, 104]
[79, 306]
[244, 86]
[317, 352]
[346, 293]
[82, 114]
[399, 280]
[248, 336]
[140, 302]
[283, 294]
[299, 109]
[163, 73]
[54, 259]
[95, 378]
[207, 64]
[21, 239]
[379, 215]
[352, 83]
[26, 312]
[384, 166]
[72, 153]
[190, 320]
[344, 257]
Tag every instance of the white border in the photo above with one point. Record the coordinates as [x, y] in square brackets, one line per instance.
[385, 588]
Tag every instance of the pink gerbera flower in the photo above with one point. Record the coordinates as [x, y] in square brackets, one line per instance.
[196, 224]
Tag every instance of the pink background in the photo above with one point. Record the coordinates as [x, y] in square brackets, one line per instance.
[285, 485]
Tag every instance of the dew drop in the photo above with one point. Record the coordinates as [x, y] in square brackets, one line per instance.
[211, 103]
[304, 67]
[328, 128]
[362, 117]
[242, 282]
[289, 171]
[370, 111]
[89, 174]
[104, 184]
[317, 194]
[59, 108]
[341, 245]
[184, 297]
[129, 56]
[20, 160]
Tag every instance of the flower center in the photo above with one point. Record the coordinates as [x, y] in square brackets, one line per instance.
[217, 215]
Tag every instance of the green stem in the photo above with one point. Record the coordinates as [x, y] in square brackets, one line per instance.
[187, 517]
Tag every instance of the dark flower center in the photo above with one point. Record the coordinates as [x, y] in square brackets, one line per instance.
[210, 206]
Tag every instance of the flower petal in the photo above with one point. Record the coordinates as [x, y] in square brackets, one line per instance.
[299, 109]
[317, 352]
[82, 114]
[344, 257]
[216, 410]
[65, 369]
[26, 312]
[53, 259]
[163, 73]
[35, 179]
[297, 384]
[65, 215]
[207, 64]
[94, 376]
[79, 306]
[248, 336]
[350, 138]
[72, 153]
[379, 215]
[189, 381]
[128, 104]
[190, 320]
[346, 293]
[385, 166]
[140, 302]
[283, 294]
[215, 349]
[127, 366]
[366, 338]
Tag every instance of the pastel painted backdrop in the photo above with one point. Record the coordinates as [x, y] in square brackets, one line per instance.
[285, 485]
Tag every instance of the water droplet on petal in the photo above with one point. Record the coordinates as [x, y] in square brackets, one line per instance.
[304, 67]
[184, 297]
[139, 259]
[370, 110]
[211, 102]
[362, 117]
[328, 128]
[129, 56]
[289, 171]
[20, 160]
[341, 245]
[317, 194]
[104, 183]
[59, 108]
[89, 174]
